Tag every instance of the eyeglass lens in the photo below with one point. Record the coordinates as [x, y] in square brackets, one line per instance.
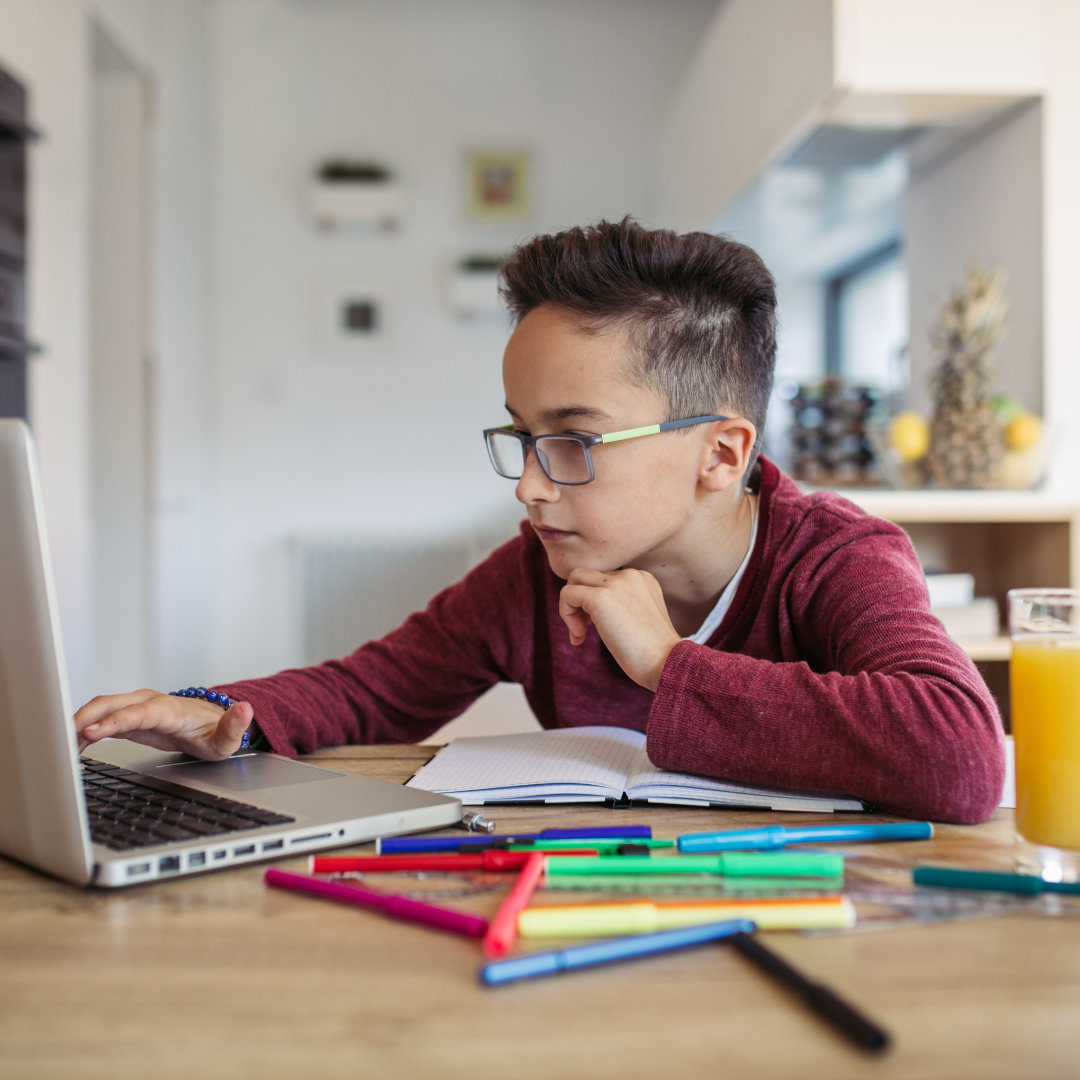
[565, 461]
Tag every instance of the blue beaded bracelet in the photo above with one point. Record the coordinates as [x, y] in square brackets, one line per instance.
[213, 696]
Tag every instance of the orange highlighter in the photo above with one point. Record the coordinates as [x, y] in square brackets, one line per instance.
[502, 930]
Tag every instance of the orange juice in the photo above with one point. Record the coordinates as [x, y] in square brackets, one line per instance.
[1045, 693]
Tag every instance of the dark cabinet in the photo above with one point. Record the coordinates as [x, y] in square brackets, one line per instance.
[15, 134]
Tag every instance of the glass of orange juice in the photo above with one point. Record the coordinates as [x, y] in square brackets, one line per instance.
[1044, 683]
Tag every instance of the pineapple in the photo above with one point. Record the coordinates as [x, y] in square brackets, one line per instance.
[966, 438]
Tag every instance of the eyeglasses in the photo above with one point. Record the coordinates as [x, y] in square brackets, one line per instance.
[565, 459]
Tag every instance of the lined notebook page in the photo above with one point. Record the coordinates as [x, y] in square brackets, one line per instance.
[565, 764]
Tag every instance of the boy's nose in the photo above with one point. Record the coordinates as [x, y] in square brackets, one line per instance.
[534, 486]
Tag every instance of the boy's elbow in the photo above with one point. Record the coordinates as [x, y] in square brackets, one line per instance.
[965, 791]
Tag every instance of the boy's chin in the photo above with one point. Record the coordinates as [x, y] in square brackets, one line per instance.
[562, 567]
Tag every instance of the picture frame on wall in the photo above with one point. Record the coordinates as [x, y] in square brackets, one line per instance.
[498, 185]
[352, 318]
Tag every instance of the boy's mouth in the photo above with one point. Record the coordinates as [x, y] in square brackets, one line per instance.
[550, 535]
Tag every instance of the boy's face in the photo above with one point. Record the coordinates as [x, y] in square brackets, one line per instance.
[559, 379]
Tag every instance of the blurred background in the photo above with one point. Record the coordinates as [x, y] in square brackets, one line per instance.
[256, 264]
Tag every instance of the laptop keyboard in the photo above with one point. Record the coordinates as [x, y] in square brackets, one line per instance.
[128, 810]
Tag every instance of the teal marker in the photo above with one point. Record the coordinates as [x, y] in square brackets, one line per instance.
[946, 877]
[732, 863]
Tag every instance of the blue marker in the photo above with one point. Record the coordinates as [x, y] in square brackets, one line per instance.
[400, 844]
[607, 952]
[777, 836]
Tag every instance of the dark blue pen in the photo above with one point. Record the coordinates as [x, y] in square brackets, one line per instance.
[606, 952]
[400, 844]
[778, 836]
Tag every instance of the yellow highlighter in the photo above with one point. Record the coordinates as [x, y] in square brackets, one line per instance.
[640, 917]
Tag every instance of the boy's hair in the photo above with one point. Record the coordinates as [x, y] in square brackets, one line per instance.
[699, 309]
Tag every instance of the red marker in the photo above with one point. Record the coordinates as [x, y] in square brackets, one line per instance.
[484, 860]
[502, 931]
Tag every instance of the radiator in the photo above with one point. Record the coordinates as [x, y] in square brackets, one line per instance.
[353, 590]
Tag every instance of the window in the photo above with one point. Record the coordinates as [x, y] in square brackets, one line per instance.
[866, 323]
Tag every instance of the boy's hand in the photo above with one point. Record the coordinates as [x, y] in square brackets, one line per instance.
[628, 610]
[189, 725]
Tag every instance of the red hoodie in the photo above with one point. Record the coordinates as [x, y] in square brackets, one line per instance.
[828, 672]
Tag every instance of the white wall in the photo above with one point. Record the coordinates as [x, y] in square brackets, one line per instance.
[1061, 240]
[47, 46]
[981, 204]
[387, 442]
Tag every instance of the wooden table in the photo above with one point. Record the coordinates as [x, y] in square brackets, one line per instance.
[220, 976]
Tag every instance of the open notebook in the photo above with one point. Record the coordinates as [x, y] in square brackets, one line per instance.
[589, 764]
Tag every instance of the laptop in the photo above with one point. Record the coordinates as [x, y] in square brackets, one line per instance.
[123, 813]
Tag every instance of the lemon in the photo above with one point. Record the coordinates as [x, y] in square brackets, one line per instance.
[909, 436]
[1023, 431]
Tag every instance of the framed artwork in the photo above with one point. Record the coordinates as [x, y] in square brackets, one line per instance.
[352, 318]
[498, 185]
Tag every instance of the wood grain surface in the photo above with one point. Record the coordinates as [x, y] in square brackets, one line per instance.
[220, 976]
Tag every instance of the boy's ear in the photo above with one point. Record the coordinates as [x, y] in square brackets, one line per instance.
[731, 442]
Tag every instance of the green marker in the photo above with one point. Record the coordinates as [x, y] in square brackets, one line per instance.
[731, 863]
[630, 884]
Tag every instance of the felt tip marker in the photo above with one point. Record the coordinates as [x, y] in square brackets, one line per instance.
[400, 844]
[608, 952]
[734, 863]
[642, 917]
[603, 845]
[778, 836]
[403, 864]
[989, 880]
[397, 907]
[502, 933]
[851, 1023]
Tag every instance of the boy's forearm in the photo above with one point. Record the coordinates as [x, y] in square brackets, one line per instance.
[923, 745]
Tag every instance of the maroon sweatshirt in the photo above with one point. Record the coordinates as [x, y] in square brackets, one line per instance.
[828, 672]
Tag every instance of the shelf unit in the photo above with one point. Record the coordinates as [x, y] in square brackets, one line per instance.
[1006, 539]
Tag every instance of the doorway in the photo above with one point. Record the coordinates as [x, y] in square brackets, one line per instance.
[120, 467]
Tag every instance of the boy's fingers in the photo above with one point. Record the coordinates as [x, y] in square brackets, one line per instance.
[160, 713]
[572, 613]
[105, 704]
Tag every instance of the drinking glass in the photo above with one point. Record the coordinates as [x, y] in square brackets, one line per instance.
[1044, 678]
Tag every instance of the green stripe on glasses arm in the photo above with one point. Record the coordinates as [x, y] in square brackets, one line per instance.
[631, 433]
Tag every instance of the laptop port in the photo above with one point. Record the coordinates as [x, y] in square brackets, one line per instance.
[138, 868]
[310, 839]
[197, 858]
[273, 845]
[219, 855]
[168, 864]
[247, 849]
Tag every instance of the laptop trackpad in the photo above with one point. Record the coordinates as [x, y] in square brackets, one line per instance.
[245, 772]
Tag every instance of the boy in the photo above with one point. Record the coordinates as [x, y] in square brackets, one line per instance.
[667, 579]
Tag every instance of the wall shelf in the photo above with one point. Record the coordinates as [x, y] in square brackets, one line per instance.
[474, 292]
[336, 203]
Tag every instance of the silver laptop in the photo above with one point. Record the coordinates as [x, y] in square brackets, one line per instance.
[125, 813]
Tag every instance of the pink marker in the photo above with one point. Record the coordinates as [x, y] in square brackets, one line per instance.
[502, 933]
[397, 907]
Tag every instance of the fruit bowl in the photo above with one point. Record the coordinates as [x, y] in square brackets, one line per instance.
[902, 443]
